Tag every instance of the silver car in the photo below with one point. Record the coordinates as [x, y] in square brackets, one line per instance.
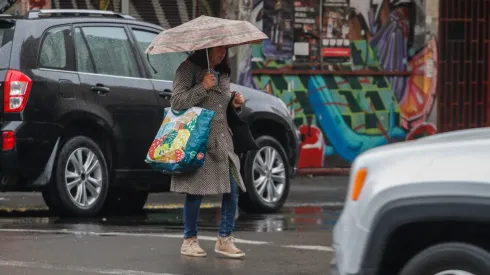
[418, 208]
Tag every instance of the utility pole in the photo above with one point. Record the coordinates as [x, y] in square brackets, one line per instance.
[125, 6]
[244, 52]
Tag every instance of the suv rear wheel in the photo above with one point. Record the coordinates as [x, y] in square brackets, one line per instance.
[449, 259]
[80, 179]
[266, 177]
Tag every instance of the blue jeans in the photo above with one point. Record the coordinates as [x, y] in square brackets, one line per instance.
[228, 210]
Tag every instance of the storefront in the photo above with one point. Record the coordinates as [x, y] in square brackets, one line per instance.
[356, 74]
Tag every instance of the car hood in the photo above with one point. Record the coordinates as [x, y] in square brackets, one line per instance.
[455, 136]
[458, 156]
[462, 142]
[267, 101]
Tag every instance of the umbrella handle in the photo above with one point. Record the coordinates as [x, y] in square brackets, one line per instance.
[207, 58]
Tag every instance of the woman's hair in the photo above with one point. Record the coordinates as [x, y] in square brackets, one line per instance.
[200, 59]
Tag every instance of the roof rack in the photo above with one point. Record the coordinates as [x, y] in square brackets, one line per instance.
[34, 14]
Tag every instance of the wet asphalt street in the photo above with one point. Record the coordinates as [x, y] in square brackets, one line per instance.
[295, 241]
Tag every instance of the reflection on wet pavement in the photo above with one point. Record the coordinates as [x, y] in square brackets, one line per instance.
[308, 218]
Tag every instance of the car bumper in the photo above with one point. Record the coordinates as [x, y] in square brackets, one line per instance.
[334, 270]
[25, 163]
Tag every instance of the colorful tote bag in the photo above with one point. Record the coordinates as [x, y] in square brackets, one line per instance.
[180, 144]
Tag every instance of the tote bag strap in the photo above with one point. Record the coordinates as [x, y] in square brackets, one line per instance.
[193, 77]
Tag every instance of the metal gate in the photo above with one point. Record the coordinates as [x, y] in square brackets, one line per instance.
[166, 13]
[464, 75]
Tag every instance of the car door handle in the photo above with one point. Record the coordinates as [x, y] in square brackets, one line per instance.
[166, 94]
[100, 89]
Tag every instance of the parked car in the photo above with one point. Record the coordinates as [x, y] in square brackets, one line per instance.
[418, 208]
[82, 106]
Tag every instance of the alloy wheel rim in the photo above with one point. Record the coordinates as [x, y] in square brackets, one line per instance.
[454, 272]
[83, 177]
[269, 174]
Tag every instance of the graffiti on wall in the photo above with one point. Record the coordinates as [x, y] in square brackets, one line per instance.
[342, 116]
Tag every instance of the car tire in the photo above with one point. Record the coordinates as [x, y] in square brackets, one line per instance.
[257, 198]
[89, 182]
[445, 259]
[122, 201]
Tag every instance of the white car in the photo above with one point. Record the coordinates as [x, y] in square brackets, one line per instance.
[418, 208]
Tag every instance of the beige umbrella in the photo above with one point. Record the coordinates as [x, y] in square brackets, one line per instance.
[205, 32]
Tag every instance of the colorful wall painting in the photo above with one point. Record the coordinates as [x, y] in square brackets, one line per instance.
[345, 115]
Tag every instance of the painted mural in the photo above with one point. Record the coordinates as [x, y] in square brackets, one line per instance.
[343, 115]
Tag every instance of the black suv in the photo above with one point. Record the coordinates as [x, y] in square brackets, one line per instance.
[82, 106]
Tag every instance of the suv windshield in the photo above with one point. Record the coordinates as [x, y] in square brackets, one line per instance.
[6, 37]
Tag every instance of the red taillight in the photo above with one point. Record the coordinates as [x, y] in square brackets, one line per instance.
[8, 141]
[15, 91]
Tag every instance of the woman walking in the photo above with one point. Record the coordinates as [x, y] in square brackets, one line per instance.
[194, 86]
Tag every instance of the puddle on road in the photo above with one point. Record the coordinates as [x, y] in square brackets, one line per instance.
[306, 218]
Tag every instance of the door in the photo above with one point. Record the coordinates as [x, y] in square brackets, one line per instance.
[116, 90]
[464, 65]
[53, 94]
[161, 66]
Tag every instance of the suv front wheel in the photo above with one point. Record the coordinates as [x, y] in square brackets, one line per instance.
[449, 259]
[266, 177]
[80, 179]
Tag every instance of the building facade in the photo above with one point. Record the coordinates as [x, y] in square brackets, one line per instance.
[358, 74]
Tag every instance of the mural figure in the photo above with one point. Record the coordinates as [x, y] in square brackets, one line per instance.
[277, 19]
[277, 30]
[343, 116]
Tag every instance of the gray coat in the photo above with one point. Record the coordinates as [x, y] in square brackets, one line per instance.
[214, 176]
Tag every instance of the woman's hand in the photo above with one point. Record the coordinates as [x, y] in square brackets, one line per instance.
[238, 100]
[209, 81]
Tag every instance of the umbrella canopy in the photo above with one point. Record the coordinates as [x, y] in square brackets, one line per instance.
[205, 32]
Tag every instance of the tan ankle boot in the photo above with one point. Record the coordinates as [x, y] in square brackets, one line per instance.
[191, 247]
[226, 247]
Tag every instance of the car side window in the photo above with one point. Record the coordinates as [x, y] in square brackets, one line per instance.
[111, 51]
[165, 64]
[83, 59]
[53, 49]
